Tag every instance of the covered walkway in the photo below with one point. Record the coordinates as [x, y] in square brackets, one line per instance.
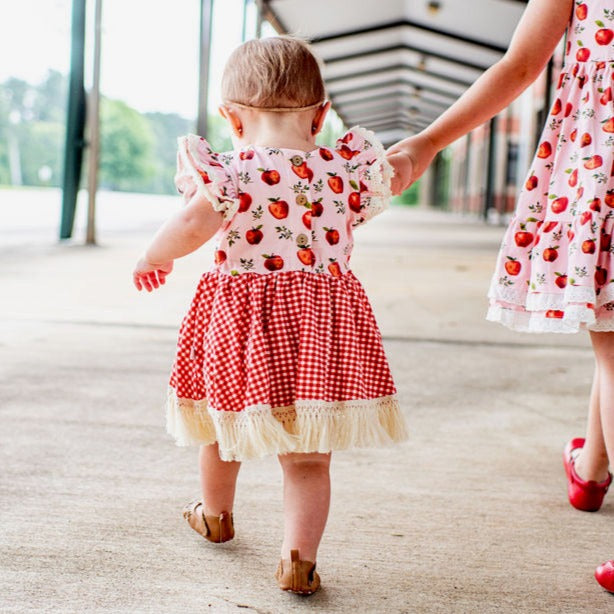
[469, 516]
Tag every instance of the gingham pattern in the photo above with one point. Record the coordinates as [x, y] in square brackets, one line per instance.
[270, 340]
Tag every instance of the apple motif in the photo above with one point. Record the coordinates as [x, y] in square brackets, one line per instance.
[531, 183]
[303, 171]
[561, 280]
[559, 205]
[326, 154]
[606, 96]
[246, 154]
[608, 126]
[556, 107]
[570, 235]
[595, 204]
[512, 266]
[604, 36]
[581, 81]
[580, 193]
[279, 209]
[346, 138]
[587, 216]
[204, 176]
[581, 11]
[306, 256]
[220, 256]
[273, 262]
[573, 135]
[354, 201]
[573, 178]
[245, 200]
[601, 276]
[316, 208]
[332, 236]
[583, 54]
[362, 187]
[307, 219]
[254, 236]
[335, 183]
[593, 162]
[609, 198]
[588, 246]
[270, 177]
[548, 226]
[605, 243]
[523, 238]
[555, 313]
[346, 153]
[550, 254]
[568, 109]
[545, 150]
[334, 268]
[585, 140]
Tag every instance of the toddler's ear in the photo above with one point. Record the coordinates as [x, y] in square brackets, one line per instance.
[232, 118]
[319, 117]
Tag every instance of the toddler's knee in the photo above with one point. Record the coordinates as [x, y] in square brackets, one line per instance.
[305, 463]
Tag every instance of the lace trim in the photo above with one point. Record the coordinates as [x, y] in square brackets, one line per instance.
[538, 301]
[188, 149]
[306, 426]
[381, 171]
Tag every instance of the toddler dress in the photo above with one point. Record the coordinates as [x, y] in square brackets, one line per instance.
[279, 351]
[555, 270]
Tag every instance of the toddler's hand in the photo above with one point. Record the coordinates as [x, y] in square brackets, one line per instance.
[403, 167]
[150, 276]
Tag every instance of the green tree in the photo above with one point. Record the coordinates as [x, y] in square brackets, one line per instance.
[126, 147]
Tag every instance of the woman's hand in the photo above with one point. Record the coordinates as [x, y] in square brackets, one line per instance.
[409, 158]
[150, 276]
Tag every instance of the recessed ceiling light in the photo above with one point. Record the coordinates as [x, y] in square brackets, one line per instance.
[433, 7]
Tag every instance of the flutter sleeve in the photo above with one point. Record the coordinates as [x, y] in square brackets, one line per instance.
[206, 172]
[367, 162]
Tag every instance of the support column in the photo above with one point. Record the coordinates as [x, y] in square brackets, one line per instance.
[206, 15]
[491, 169]
[75, 121]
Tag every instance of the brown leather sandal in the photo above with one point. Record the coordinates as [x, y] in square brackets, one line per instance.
[217, 529]
[296, 576]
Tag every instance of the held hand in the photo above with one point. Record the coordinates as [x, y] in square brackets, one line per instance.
[150, 276]
[410, 158]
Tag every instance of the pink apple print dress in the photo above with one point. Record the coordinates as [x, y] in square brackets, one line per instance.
[280, 351]
[555, 271]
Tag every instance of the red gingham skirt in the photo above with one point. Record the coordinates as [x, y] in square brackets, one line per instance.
[268, 342]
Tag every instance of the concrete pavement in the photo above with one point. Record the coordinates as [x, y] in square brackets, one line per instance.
[470, 515]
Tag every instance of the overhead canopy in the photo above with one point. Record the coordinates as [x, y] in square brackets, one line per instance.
[395, 65]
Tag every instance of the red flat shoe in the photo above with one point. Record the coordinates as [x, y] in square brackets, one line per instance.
[604, 574]
[585, 495]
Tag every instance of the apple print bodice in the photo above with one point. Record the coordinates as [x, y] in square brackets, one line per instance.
[287, 210]
[280, 351]
[555, 270]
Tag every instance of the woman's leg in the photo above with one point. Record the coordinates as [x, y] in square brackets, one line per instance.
[218, 480]
[306, 502]
[592, 462]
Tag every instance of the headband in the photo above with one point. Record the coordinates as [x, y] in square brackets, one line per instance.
[275, 109]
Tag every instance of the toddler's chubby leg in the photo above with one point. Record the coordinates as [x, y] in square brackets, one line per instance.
[212, 516]
[218, 480]
[306, 502]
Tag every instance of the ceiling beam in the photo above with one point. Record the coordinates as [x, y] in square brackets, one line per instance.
[410, 24]
[405, 47]
[393, 82]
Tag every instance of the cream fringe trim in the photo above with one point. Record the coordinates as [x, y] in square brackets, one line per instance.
[306, 426]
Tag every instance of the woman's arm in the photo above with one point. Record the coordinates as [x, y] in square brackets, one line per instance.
[536, 36]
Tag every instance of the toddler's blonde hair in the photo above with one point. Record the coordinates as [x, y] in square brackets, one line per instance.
[273, 73]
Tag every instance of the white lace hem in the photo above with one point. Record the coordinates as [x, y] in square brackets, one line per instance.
[188, 145]
[306, 426]
[576, 318]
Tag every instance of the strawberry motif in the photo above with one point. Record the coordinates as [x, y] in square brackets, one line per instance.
[306, 256]
[335, 183]
[279, 209]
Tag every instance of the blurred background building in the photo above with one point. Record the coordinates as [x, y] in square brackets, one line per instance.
[391, 65]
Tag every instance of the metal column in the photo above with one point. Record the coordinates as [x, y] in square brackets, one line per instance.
[489, 194]
[206, 15]
[75, 121]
